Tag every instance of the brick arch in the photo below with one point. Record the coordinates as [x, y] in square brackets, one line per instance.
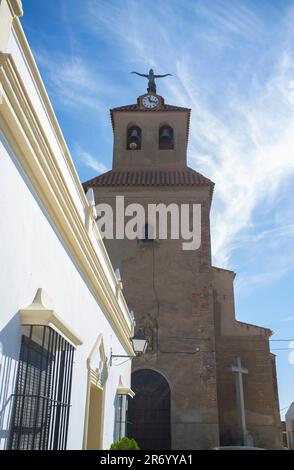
[169, 143]
[149, 414]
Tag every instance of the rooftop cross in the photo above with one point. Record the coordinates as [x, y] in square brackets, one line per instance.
[151, 79]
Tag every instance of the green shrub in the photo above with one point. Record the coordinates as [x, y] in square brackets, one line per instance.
[125, 444]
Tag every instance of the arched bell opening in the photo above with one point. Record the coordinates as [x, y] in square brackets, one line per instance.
[134, 138]
[166, 137]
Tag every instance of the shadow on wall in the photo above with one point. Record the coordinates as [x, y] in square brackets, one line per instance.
[9, 355]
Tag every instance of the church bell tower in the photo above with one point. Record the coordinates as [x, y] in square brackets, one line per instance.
[150, 134]
[169, 289]
[185, 389]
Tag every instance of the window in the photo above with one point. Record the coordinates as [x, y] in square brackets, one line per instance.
[121, 416]
[134, 138]
[43, 387]
[166, 137]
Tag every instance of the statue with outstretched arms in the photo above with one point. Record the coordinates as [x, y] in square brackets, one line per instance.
[151, 79]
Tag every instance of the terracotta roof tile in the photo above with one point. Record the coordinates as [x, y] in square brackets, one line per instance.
[149, 177]
[136, 107]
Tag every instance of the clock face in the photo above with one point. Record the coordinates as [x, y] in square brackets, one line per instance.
[150, 101]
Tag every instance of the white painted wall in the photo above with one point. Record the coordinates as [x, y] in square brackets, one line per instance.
[33, 256]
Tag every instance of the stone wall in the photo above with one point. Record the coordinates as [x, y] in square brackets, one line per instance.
[251, 344]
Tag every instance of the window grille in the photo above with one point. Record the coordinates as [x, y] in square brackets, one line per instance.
[121, 416]
[43, 387]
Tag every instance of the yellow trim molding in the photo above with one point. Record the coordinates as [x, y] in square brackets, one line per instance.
[38, 314]
[9, 10]
[121, 390]
[97, 377]
[15, 7]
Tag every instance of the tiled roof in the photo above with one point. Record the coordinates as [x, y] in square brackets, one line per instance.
[137, 108]
[150, 177]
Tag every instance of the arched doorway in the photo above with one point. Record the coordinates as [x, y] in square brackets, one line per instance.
[149, 411]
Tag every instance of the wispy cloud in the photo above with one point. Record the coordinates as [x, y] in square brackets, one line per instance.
[237, 19]
[71, 79]
[248, 154]
[242, 127]
[87, 159]
[248, 281]
[75, 73]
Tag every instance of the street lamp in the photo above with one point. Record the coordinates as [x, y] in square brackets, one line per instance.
[139, 343]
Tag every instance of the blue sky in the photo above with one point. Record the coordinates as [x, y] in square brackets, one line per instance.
[233, 64]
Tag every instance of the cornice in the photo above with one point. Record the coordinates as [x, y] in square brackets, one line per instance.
[15, 7]
[122, 390]
[31, 63]
[30, 145]
[38, 314]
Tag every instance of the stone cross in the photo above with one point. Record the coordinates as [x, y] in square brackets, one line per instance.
[239, 371]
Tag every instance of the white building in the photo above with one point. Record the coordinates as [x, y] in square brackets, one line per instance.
[289, 418]
[62, 311]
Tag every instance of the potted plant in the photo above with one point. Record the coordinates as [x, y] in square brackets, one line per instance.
[125, 444]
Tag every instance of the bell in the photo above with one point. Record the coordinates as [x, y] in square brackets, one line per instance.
[134, 138]
[134, 134]
[165, 133]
